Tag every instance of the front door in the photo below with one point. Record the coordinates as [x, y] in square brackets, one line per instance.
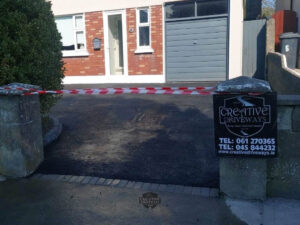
[115, 49]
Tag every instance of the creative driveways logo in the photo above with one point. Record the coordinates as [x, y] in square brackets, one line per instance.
[244, 116]
[150, 200]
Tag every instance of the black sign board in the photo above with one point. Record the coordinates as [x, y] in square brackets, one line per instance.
[246, 125]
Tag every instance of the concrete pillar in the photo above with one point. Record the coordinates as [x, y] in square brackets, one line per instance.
[270, 36]
[21, 142]
[284, 170]
[243, 178]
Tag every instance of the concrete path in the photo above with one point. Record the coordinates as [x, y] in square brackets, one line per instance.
[148, 138]
[36, 202]
[49, 200]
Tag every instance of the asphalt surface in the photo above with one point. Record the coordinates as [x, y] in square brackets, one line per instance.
[149, 138]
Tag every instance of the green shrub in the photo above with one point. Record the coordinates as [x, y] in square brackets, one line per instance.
[30, 47]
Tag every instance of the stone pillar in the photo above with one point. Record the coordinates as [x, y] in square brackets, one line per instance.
[21, 142]
[270, 41]
[284, 170]
[270, 36]
[243, 178]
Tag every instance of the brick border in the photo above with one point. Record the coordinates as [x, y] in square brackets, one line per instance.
[54, 133]
[178, 189]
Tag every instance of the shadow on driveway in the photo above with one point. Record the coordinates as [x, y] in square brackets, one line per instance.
[158, 139]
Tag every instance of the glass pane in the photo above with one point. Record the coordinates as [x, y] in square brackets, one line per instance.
[180, 10]
[78, 21]
[115, 41]
[80, 40]
[65, 28]
[144, 36]
[143, 16]
[211, 7]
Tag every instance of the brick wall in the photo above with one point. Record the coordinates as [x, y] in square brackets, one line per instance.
[151, 63]
[138, 64]
[94, 63]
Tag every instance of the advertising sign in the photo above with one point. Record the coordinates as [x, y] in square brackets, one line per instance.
[246, 125]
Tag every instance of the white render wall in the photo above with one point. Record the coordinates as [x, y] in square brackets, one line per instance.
[236, 38]
[65, 7]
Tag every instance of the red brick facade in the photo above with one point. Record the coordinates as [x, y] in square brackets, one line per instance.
[138, 64]
[151, 63]
[94, 63]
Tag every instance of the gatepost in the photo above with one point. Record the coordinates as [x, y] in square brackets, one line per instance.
[21, 142]
[245, 136]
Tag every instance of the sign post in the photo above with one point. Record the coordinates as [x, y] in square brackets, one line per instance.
[245, 119]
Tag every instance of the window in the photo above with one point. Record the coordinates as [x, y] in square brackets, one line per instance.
[72, 30]
[195, 8]
[180, 10]
[143, 31]
[215, 7]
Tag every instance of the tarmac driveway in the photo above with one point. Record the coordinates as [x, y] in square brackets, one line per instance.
[149, 138]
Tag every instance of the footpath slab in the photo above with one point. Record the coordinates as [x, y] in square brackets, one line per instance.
[65, 199]
[49, 201]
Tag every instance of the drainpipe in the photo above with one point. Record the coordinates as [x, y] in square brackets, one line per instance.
[292, 5]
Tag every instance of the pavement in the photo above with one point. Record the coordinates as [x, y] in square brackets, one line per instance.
[50, 200]
[166, 139]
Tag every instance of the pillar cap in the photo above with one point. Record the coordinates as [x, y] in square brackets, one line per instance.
[244, 85]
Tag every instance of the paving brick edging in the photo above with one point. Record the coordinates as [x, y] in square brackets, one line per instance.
[179, 189]
[54, 133]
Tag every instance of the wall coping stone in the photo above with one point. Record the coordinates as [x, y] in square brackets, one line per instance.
[288, 100]
[243, 85]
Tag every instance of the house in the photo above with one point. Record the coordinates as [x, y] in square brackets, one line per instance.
[150, 41]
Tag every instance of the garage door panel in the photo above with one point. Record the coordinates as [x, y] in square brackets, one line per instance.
[215, 76]
[188, 36]
[197, 64]
[205, 58]
[196, 49]
[196, 41]
[198, 70]
[197, 24]
[206, 30]
[190, 54]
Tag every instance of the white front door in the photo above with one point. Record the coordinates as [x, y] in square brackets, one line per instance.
[115, 43]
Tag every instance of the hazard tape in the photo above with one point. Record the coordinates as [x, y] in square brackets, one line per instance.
[139, 88]
[116, 91]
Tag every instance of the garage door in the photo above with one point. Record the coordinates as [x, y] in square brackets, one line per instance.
[196, 40]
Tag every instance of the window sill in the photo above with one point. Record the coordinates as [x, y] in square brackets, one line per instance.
[143, 50]
[79, 53]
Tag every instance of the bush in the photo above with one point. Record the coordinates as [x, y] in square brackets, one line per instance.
[30, 47]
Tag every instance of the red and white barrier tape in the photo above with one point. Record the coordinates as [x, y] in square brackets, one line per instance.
[114, 91]
[132, 90]
[140, 88]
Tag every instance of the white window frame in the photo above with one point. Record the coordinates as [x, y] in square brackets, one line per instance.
[77, 52]
[143, 49]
